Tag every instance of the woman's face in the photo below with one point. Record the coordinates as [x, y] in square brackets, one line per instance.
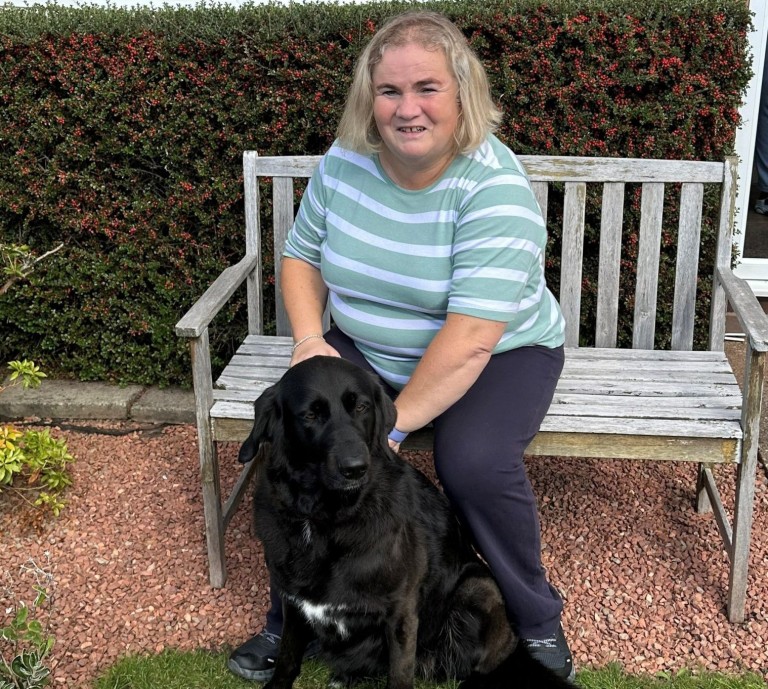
[416, 109]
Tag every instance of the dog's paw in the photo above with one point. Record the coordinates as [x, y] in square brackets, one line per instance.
[337, 681]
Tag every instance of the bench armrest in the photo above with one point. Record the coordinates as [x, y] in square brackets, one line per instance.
[747, 309]
[202, 312]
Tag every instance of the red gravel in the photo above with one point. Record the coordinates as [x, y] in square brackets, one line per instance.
[643, 575]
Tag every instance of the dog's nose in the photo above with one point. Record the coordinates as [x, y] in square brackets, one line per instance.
[353, 468]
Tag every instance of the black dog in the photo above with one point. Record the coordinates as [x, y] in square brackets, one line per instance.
[365, 549]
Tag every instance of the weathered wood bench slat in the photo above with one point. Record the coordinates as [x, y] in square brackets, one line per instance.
[688, 406]
[630, 356]
[205, 308]
[689, 238]
[611, 221]
[572, 259]
[603, 383]
[244, 381]
[646, 413]
[683, 371]
[609, 364]
[651, 215]
[681, 428]
[642, 447]
[611, 403]
[580, 405]
[539, 168]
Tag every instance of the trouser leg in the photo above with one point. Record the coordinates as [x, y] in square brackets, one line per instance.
[479, 446]
[761, 145]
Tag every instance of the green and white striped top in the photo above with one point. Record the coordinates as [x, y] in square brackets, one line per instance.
[397, 261]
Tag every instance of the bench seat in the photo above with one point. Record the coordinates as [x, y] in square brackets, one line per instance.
[635, 400]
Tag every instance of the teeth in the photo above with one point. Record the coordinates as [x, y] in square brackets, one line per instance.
[412, 129]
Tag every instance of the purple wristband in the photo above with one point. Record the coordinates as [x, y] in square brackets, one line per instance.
[397, 436]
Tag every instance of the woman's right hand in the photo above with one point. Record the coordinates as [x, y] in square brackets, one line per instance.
[314, 347]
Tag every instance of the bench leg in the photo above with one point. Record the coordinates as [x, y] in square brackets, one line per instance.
[214, 518]
[754, 375]
[742, 529]
[209, 461]
[703, 505]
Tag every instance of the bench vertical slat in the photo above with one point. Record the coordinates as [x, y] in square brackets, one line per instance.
[282, 199]
[723, 254]
[611, 221]
[541, 192]
[255, 296]
[687, 266]
[571, 260]
[651, 210]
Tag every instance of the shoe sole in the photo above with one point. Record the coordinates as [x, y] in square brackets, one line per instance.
[253, 675]
[261, 675]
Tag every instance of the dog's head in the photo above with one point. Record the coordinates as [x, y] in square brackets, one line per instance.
[327, 415]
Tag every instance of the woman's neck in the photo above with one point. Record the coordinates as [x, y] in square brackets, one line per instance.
[413, 177]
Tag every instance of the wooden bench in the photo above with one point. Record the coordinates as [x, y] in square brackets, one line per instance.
[633, 402]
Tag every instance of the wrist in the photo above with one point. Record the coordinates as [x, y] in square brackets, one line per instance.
[304, 339]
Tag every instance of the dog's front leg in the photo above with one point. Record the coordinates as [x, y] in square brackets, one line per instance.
[402, 632]
[297, 634]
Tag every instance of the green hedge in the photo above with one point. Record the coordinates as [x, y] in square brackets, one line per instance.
[121, 134]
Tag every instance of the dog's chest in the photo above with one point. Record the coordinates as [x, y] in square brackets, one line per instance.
[324, 616]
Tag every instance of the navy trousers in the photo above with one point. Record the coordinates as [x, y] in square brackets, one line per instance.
[478, 454]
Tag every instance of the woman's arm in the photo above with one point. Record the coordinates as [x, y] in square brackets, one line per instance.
[451, 364]
[305, 296]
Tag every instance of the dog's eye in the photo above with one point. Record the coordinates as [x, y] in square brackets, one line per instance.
[361, 407]
[310, 415]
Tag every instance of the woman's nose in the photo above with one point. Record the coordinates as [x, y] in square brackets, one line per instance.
[408, 106]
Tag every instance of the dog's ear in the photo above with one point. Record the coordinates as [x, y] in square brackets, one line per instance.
[266, 413]
[386, 415]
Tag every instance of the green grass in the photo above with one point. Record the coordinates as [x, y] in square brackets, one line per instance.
[205, 670]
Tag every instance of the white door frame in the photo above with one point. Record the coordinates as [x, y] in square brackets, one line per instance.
[753, 270]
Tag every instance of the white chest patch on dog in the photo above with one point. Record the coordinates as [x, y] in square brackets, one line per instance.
[323, 614]
[306, 532]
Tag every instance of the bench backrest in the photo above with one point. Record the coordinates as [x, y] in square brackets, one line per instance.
[574, 174]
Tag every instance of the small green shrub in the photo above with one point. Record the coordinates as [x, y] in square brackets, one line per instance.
[23, 662]
[31, 461]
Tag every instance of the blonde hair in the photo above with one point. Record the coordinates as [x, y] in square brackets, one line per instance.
[479, 115]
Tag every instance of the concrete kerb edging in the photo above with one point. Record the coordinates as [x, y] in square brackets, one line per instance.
[63, 399]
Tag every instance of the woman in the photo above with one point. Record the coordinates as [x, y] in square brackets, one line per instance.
[761, 146]
[421, 230]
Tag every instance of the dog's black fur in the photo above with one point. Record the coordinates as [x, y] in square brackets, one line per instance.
[365, 549]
